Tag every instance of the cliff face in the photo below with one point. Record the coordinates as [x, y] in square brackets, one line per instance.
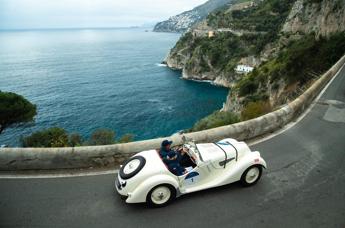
[320, 17]
[182, 22]
[308, 19]
[289, 42]
[212, 48]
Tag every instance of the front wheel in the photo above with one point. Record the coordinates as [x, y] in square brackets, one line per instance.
[161, 196]
[251, 176]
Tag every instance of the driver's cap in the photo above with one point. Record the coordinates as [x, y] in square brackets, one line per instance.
[166, 143]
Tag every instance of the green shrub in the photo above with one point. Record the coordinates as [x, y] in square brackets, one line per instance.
[247, 86]
[75, 140]
[58, 137]
[102, 137]
[216, 119]
[126, 138]
[255, 109]
[52, 137]
[255, 98]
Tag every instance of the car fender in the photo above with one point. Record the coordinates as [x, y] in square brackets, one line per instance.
[260, 160]
[139, 194]
[235, 172]
[247, 161]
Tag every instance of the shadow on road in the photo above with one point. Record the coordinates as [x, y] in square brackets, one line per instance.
[188, 198]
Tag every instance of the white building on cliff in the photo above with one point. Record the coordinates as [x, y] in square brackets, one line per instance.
[243, 69]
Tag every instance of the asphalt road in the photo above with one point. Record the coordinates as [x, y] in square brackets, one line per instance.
[303, 187]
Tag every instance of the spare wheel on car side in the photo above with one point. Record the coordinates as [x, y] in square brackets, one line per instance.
[132, 167]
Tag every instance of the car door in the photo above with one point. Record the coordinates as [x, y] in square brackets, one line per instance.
[195, 178]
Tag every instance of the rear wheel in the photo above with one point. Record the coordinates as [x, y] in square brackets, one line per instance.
[161, 195]
[251, 176]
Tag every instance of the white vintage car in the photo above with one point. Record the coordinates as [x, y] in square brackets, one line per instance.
[146, 178]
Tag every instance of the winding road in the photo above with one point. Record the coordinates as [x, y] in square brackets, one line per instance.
[304, 186]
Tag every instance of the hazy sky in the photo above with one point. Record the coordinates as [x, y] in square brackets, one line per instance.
[16, 14]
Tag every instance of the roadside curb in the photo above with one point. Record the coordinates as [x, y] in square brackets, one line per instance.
[56, 174]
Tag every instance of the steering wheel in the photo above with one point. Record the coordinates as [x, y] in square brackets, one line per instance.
[191, 155]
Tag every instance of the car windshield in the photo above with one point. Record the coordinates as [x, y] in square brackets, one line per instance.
[193, 151]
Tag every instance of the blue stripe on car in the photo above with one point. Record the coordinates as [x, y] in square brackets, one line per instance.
[191, 175]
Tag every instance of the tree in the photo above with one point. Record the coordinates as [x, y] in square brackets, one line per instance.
[15, 109]
[102, 137]
[126, 138]
[75, 140]
[51, 137]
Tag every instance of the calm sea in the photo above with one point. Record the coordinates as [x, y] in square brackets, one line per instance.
[82, 80]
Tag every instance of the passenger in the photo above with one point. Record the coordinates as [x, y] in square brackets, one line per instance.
[171, 158]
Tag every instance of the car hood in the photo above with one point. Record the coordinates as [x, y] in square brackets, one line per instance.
[216, 153]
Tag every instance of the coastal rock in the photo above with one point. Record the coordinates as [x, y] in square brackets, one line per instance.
[175, 62]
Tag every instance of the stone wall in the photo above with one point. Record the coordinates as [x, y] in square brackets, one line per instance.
[19, 159]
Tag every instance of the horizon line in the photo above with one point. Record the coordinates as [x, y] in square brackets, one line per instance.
[75, 28]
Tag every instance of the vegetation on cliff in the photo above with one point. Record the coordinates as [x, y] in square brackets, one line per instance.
[292, 53]
[266, 16]
[259, 25]
[296, 65]
[219, 52]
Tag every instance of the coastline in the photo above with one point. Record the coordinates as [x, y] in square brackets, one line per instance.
[211, 78]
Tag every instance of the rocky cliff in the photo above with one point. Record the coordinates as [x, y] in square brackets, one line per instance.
[182, 22]
[320, 17]
[311, 24]
[212, 48]
[289, 42]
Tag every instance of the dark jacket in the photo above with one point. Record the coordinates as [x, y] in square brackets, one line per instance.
[173, 165]
[165, 154]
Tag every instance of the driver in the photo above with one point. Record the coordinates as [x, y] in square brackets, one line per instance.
[171, 158]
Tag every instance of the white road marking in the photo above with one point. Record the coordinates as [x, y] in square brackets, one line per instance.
[62, 175]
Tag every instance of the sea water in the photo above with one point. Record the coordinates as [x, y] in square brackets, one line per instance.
[85, 79]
